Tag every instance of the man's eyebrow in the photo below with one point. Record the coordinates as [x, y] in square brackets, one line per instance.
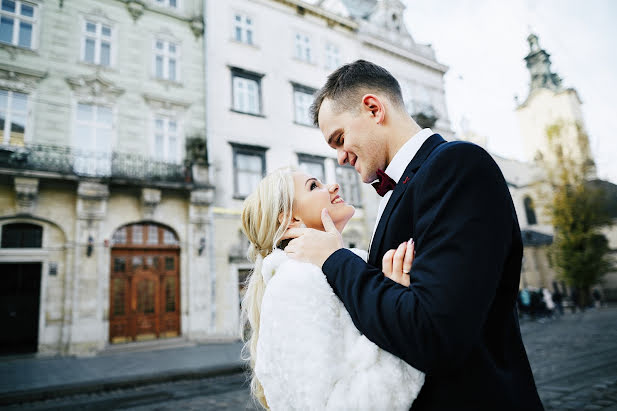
[334, 134]
[312, 178]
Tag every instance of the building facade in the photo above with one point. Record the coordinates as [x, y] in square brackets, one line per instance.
[103, 174]
[264, 63]
[131, 133]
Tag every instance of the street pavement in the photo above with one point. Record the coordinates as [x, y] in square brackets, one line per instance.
[574, 360]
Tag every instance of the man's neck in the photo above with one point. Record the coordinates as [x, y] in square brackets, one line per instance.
[402, 135]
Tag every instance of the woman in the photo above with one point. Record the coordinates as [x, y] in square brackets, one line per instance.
[304, 349]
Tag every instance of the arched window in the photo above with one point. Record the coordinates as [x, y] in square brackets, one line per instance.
[529, 211]
[22, 235]
[144, 234]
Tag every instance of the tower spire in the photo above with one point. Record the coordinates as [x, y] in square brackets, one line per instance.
[539, 65]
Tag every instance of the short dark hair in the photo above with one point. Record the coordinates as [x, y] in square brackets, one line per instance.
[349, 80]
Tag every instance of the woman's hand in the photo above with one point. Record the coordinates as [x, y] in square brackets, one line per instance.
[396, 264]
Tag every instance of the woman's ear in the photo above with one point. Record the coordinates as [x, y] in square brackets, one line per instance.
[295, 222]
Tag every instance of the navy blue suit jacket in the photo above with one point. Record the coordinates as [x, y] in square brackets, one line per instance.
[457, 321]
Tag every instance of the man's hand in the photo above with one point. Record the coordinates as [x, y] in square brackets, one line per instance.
[312, 245]
[396, 264]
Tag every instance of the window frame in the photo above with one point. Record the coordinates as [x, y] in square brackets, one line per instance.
[165, 53]
[300, 55]
[248, 150]
[167, 4]
[17, 17]
[355, 185]
[98, 39]
[167, 116]
[328, 48]
[76, 142]
[244, 28]
[6, 137]
[301, 89]
[240, 73]
[304, 158]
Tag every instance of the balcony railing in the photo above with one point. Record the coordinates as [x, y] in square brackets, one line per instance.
[73, 161]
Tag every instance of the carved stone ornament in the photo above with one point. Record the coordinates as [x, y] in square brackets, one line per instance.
[202, 197]
[197, 25]
[150, 199]
[164, 103]
[26, 191]
[92, 200]
[23, 80]
[94, 89]
[136, 8]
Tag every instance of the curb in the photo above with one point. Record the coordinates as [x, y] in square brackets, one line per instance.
[57, 391]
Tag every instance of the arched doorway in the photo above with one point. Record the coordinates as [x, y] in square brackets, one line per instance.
[20, 293]
[144, 292]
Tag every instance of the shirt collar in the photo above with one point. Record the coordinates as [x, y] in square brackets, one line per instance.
[406, 153]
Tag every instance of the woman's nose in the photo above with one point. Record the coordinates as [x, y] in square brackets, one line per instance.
[334, 188]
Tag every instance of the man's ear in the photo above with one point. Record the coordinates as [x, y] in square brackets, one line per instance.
[372, 104]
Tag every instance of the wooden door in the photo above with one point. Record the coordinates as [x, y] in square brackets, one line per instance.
[144, 290]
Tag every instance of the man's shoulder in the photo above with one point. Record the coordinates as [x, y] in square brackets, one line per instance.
[459, 156]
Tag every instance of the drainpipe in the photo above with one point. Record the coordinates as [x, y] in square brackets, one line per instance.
[211, 231]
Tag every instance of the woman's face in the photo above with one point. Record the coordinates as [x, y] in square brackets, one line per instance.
[311, 196]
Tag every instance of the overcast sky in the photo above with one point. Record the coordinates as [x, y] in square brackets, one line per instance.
[484, 43]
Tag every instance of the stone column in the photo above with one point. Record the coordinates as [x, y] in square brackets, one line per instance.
[199, 305]
[90, 271]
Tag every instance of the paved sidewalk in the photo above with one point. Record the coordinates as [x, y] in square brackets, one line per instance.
[40, 378]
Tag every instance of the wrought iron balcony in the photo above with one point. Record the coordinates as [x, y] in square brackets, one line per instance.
[111, 165]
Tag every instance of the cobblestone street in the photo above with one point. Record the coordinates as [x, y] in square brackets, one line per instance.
[574, 359]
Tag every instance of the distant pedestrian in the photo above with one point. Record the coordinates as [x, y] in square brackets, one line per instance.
[548, 301]
[525, 300]
[558, 300]
[574, 298]
[597, 298]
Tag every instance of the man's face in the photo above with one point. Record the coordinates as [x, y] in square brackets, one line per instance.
[354, 134]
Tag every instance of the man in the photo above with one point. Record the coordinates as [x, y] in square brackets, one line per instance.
[456, 321]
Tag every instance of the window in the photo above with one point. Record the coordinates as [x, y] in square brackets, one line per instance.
[96, 47]
[18, 235]
[529, 211]
[246, 89]
[166, 139]
[333, 59]
[347, 178]
[249, 168]
[13, 112]
[93, 139]
[313, 166]
[17, 23]
[166, 60]
[173, 4]
[243, 29]
[303, 48]
[303, 98]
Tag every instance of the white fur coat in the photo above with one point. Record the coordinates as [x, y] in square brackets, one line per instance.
[310, 356]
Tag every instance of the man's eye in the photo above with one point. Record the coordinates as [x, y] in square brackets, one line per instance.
[338, 141]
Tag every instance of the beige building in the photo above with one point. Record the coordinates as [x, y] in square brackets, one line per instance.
[104, 193]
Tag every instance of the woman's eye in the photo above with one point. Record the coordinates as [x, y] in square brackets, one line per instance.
[313, 186]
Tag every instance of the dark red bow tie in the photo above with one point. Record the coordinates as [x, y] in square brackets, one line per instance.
[384, 184]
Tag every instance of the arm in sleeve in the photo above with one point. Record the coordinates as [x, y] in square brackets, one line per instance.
[463, 233]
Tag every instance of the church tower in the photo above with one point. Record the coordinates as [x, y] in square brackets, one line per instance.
[550, 118]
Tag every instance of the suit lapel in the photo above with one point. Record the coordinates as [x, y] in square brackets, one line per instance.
[405, 181]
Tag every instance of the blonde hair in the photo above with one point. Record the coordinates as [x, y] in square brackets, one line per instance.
[260, 222]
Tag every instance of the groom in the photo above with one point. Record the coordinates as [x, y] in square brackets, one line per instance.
[457, 320]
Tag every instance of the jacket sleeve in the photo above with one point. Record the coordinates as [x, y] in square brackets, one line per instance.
[463, 231]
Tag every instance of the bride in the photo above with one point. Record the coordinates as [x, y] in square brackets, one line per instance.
[304, 351]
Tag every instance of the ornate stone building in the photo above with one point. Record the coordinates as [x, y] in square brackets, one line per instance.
[104, 191]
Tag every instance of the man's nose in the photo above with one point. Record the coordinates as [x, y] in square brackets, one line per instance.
[342, 157]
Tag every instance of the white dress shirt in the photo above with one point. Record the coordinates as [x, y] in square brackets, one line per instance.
[397, 167]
